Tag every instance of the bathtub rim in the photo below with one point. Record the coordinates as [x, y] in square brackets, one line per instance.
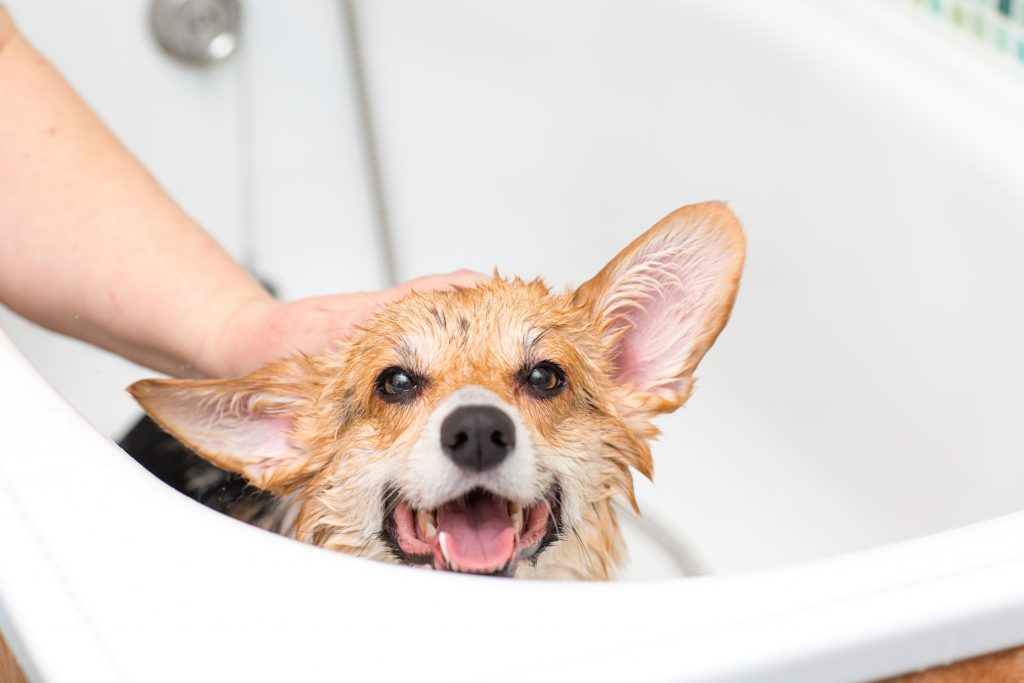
[880, 611]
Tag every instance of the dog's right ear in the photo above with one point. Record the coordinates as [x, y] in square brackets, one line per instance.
[245, 425]
[662, 301]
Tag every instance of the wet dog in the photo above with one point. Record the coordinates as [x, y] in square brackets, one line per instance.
[483, 430]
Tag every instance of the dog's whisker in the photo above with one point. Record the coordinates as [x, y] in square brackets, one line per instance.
[361, 549]
[583, 546]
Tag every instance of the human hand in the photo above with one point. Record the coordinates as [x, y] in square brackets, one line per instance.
[261, 331]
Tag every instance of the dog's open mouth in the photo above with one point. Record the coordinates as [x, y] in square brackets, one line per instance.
[478, 533]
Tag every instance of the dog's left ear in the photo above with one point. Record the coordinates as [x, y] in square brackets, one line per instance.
[662, 301]
[245, 425]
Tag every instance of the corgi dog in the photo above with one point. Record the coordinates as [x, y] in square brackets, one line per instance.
[484, 430]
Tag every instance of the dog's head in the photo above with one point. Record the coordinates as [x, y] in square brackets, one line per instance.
[482, 430]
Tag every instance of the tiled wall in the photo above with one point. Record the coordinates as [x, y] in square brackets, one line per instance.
[999, 23]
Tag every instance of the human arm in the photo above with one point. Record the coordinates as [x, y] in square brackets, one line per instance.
[92, 247]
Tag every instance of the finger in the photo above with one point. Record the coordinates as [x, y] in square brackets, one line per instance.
[315, 321]
[426, 283]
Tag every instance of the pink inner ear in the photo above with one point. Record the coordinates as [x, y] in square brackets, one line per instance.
[269, 436]
[256, 442]
[661, 307]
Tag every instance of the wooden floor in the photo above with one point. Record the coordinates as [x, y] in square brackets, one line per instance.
[1002, 667]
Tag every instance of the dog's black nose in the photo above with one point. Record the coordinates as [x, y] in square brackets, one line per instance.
[478, 437]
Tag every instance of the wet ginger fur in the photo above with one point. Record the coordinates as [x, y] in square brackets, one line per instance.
[317, 431]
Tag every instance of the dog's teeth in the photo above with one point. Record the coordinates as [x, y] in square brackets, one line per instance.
[443, 539]
[427, 524]
[517, 520]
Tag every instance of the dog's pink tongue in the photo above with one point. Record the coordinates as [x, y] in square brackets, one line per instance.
[478, 533]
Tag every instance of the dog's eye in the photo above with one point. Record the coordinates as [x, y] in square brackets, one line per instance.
[545, 379]
[396, 384]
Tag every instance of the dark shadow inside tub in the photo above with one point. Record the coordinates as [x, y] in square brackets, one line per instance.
[174, 464]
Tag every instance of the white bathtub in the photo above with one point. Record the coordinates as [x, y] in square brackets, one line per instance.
[848, 470]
